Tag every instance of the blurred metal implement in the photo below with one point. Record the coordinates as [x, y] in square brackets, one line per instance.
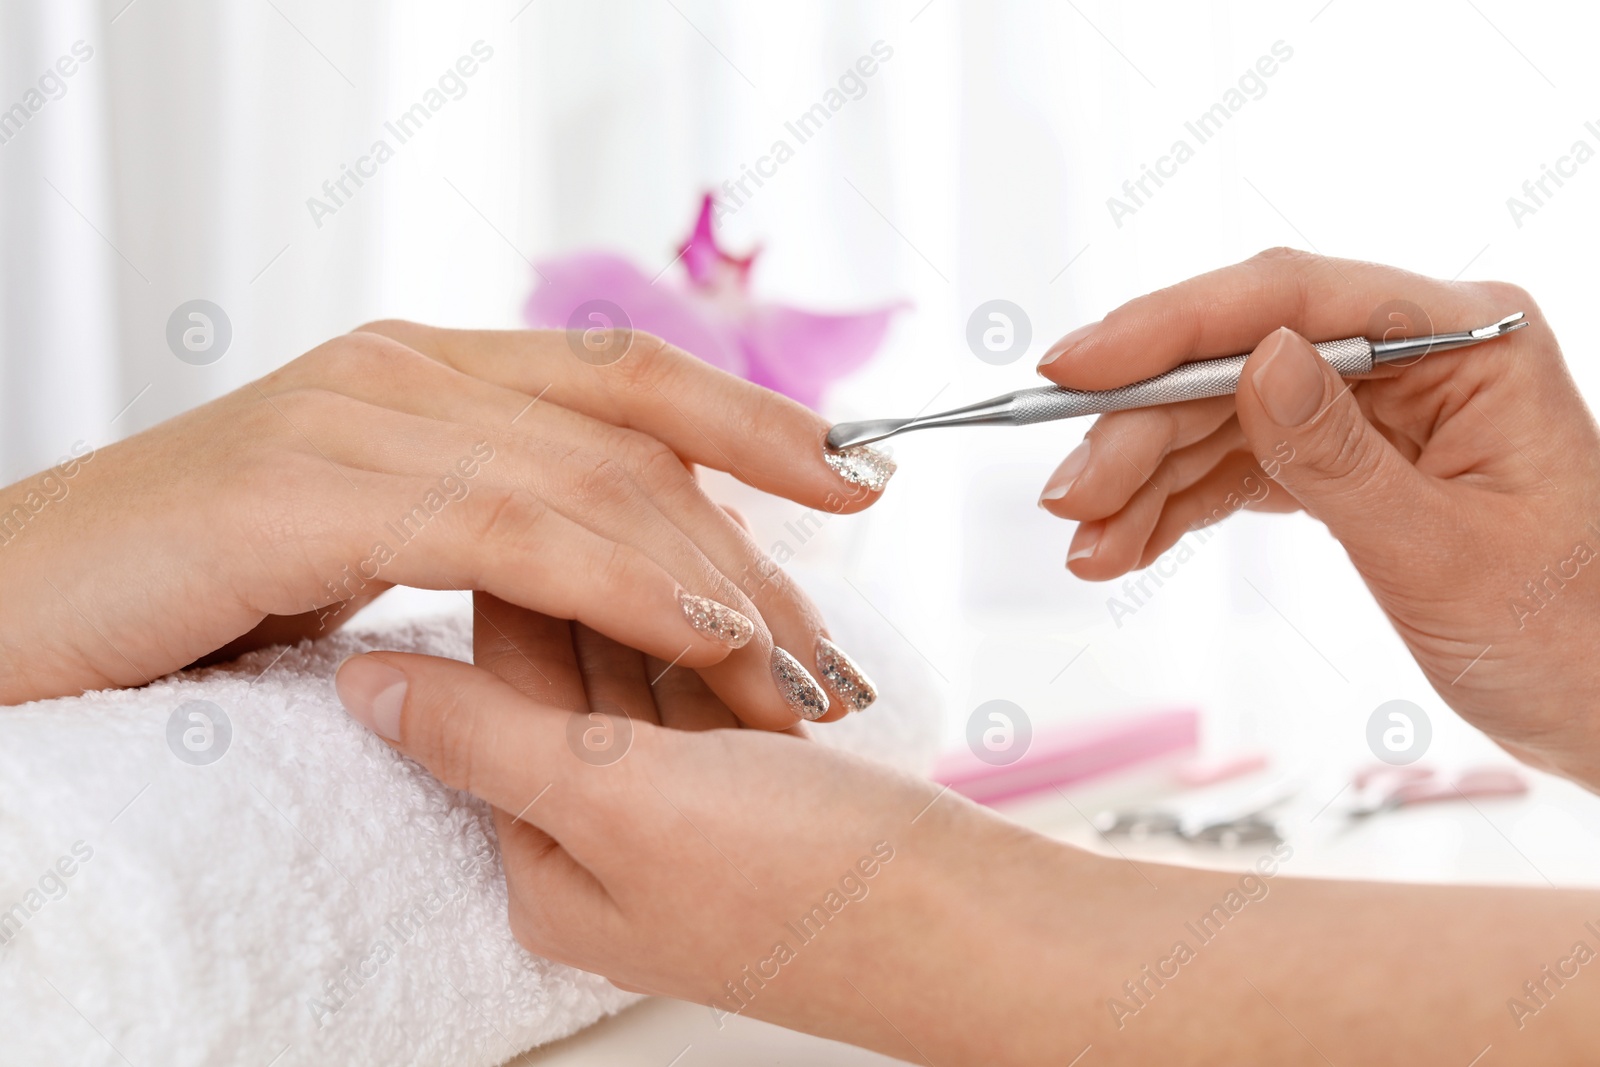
[1384, 789]
[1188, 381]
[1248, 825]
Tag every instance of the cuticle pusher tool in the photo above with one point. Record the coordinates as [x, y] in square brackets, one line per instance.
[1188, 381]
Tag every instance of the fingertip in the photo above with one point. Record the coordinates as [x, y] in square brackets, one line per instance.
[373, 691]
[1068, 342]
[1285, 378]
[864, 472]
[1065, 478]
[1085, 546]
[716, 630]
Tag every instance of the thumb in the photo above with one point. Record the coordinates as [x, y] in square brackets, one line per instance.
[1311, 437]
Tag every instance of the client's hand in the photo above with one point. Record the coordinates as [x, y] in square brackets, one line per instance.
[1466, 488]
[759, 874]
[443, 459]
[746, 870]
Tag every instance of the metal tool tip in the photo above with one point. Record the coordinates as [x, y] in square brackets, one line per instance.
[848, 434]
[1515, 321]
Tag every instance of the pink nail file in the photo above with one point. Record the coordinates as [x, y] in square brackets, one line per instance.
[1071, 753]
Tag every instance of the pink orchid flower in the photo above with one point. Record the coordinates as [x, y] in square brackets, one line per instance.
[713, 315]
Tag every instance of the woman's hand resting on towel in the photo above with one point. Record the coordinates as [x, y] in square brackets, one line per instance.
[445, 459]
[645, 839]
[1466, 488]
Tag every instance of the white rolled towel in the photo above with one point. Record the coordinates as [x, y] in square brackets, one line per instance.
[309, 897]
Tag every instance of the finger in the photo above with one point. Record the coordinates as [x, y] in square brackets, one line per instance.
[1105, 548]
[1235, 484]
[1118, 543]
[572, 461]
[1338, 466]
[614, 677]
[531, 651]
[552, 900]
[684, 701]
[473, 731]
[512, 544]
[1229, 311]
[704, 414]
[1122, 450]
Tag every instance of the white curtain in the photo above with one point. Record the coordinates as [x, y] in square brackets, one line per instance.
[977, 163]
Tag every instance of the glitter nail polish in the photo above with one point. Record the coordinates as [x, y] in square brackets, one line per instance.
[804, 695]
[841, 674]
[717, 621]
[861, 465]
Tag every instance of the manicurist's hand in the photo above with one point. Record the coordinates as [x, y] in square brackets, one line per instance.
[444, 459]
[646, 838]
[1466, 488]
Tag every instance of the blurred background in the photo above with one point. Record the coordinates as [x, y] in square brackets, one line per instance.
[177, 161]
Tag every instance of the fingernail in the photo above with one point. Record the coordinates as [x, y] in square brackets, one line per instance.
[805, 697]
[1061, 481]
[1088, 539]
[1289, 380]
[717, 621]
[841, 674]
[373, 693]
[1059, 349]
[861, 465]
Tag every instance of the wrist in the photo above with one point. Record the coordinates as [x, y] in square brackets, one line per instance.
[964, 944]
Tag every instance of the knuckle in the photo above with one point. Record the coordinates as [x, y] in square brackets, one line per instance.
[1346, 452]
[656, 466]
[358, 357]
[598, 481]
[395, 328]
[620, 568]
[451, 737]
[1281, 254]
[647, 361]
[762, 576]
[310, 406]
[1508, 295]
[506, 516]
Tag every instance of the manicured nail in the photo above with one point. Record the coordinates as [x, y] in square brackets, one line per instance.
[1088, 540]
[841, 674]
[1289, 380]
[861, 465]
[1059, 349]
[717, 621]
[373, 693]
[1061, 481]
[805, 697]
